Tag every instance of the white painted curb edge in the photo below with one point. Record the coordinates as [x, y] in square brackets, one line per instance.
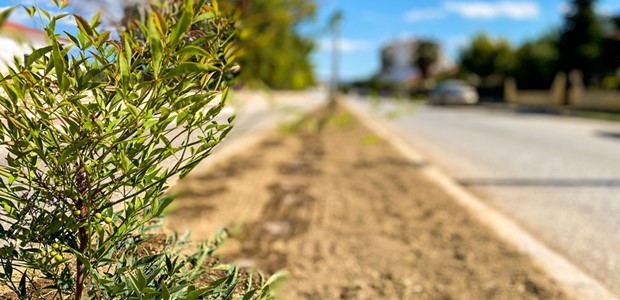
[576, 282]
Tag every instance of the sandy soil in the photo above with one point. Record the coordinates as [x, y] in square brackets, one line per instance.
[349, 218]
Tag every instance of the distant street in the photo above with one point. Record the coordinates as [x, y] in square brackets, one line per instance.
[558, 177]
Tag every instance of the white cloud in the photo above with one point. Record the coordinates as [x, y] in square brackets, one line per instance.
[345, 45]
[518, 10]
[424, 14]
[565, 8]
[604, 11]
[111, 10]
[68, 20]
[481, 10]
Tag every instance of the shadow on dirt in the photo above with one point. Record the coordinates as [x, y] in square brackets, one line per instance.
[286, 215]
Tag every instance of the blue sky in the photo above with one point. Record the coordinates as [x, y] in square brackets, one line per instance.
[20, 16]
[368, 24]
[81, 7]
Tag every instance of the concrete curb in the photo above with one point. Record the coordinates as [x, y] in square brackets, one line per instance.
[575, 282]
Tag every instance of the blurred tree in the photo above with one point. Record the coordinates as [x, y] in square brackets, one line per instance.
[615, 22]
[580, 41]
[537, 63]
[491, 60]
[425, 56]
[124, 15]
[611, 46]
[387, 59]
[271, 50]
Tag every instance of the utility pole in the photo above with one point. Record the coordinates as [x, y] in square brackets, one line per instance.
[334, 25]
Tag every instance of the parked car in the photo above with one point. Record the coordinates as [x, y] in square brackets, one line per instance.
[453, 92]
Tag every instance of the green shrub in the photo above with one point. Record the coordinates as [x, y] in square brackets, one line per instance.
[95, 129]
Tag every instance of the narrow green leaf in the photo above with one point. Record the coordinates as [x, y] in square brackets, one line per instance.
[160, 23]
[249, 295]
[165, 293]
[8, 269]
[123, 66]
[204, 16]
[5, 14]
[215, 5]
[31, 10]
[67, 153]
[156, 47]
[45, 13]
[188, 68]
[59, 64]
[193, 295]
[194, 50]
[278, 276]
[11, 92]
[133, 109]
[162, 205]
[73, 39]
[141, 279]
[22, 285]
[81, 258]
[83, 25]
[134, 284]
[124, 161]
[102, 38]
[180, 28]
[36, 54]
[95, 19]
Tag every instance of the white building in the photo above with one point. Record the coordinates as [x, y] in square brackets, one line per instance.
[397, 61]
[17, 40]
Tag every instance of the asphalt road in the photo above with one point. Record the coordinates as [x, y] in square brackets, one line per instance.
[559, 177]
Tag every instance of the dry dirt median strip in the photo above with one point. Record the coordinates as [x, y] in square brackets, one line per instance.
[351, 218]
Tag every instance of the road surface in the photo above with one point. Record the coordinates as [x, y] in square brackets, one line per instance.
[559, 177]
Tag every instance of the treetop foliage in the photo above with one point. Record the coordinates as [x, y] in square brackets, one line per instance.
[271, 50]
[586, 41]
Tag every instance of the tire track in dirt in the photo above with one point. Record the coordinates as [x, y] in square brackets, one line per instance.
[287, 214]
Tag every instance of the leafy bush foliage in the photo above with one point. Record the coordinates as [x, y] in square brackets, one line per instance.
[273, 51]
[94, 129]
